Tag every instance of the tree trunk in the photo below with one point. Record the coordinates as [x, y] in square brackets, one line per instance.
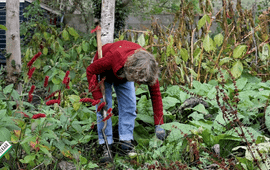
[107, 21]
[13, 62]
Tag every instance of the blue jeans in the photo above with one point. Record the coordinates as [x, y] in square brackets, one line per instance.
[126, 98]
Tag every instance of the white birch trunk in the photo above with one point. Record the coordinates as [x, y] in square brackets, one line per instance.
[13, 39]
[107, 21]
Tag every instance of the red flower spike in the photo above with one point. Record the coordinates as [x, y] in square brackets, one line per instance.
[29, 64]
[32, 89]
[39, 115]
[50, 102]
[65, 80]
[101, 106]
[89, 100]
[96, 102]
[67, 84]
[95, 29]
[30, 98]
[46, 81]
[30, 72]
[109, 112]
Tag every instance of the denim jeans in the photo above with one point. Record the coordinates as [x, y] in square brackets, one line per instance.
[125, 92]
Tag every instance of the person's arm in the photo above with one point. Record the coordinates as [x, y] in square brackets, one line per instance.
[157, 103]
[97, 67]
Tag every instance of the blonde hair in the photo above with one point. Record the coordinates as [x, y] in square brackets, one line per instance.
[141, 67]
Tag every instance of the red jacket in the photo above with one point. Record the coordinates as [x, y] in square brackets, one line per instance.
[114, 58]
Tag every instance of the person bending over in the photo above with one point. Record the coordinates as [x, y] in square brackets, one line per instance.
[124, 63]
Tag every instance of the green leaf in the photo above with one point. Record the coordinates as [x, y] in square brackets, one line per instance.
[200, 108]
[44, 150]
[85, 46]
[239, 51]
[208, 44]
[177, 60]
[146, 118]
[241, 83]
[196, 116]
[74, 98]
[184, 54]
[76, 106]
[15, 95]
[65, 35]
[145, 106]
[45, 51]
[73, 33]
[141, 40]
[83, 160]
[8, 89]
[2, 27]
[237, 69]
[173, 91]
[28, 159]
[4, 134]
[178, 130]
[169, 102]
[224, 60]
[267, 118]
[247, 131]
[79, 49]
[219, 39]
[202, 21]
[56, 80]
[92, 165]
[76, 126]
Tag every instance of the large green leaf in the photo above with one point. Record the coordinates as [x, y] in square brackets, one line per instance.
[184, 54]
[4, 134]
[73, 33]
[28, 159]
[224, 60]
[146, 118]
[239, 51]
[200, 108]
[178, 130]
[202, 21]
[237, 69]
[8, 89]
[219, 39]
[169, 102]
[85, 46]
[208, 44]
[141, 40]
[241, 83]
[145, 106]
[65, 35]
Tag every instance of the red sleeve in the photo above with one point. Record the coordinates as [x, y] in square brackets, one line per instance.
[97, 67]
[157, 103]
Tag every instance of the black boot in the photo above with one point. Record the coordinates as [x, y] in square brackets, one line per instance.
[105, 156]
[127, 148]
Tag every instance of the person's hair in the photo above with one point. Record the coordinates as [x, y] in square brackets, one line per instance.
[141, 67]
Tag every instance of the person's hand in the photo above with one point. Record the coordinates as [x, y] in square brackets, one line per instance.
[160, 133]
